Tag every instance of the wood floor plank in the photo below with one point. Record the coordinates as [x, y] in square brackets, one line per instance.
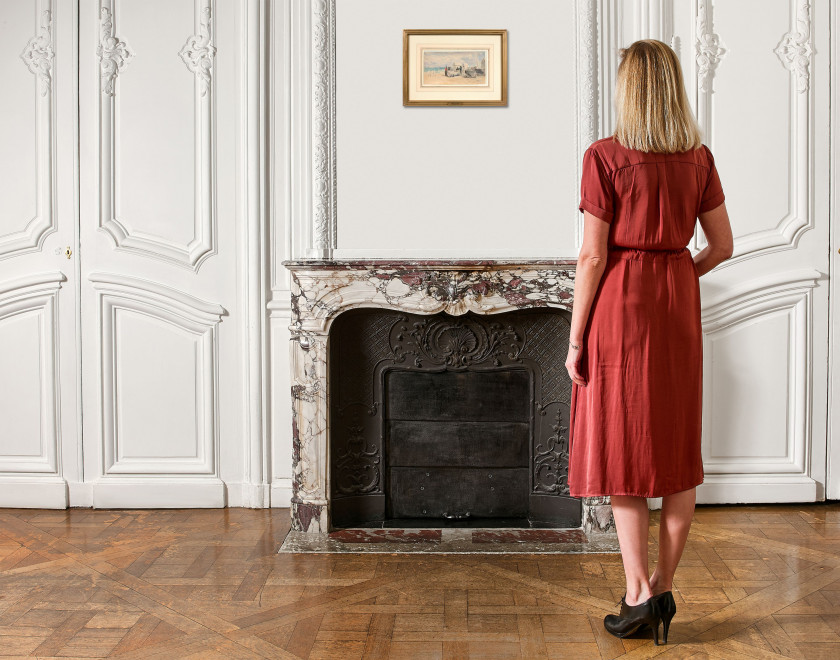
[755, 582]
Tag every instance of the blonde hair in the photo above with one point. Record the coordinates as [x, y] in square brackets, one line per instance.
[653, 113]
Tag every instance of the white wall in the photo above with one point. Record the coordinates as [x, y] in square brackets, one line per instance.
[456, 181]
[401, 180]
[764, 117]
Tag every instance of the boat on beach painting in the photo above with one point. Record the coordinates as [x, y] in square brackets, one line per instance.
[454, 67]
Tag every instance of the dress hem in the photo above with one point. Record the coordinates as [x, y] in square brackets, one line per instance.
[628, 494]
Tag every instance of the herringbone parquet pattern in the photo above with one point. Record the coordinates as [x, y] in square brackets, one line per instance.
[755, 582]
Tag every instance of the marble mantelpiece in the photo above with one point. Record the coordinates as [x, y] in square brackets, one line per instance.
[323, 289]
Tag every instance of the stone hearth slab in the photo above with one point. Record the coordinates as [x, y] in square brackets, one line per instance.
[441, 541]
[532, 535]
[386, 535]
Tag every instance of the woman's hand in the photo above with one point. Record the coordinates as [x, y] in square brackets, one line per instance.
[572, 361]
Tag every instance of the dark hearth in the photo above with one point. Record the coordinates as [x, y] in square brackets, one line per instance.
[441, 420]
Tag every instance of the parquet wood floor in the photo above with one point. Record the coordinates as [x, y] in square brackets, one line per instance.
[755, 582]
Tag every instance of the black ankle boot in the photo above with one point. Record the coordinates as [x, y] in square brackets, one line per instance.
[667, 609]
[633, 617]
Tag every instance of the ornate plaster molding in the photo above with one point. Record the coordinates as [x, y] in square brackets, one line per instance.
[324, 183]
[794, 49]
[708, 48]
[38, 54]
[113, 53]
[588, 101]
[587, 78]
[198, 52]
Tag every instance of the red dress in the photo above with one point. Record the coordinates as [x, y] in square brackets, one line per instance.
[635, 426]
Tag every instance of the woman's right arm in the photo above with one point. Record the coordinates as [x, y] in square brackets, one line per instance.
[718, 232]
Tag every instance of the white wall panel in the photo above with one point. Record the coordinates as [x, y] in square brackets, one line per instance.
[158, 129]
[758, 390]
[769, 161]
[159, 383]
[26, 132]
[18, 181]
[22, 400]
[29, 405]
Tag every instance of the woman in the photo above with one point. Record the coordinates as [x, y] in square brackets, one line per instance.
[636, 342]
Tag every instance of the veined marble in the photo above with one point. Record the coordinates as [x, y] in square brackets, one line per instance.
[322, 289]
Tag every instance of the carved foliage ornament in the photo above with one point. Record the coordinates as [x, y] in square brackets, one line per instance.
[113, 54]
[198, 52]
[38, 54]
[794, 50]
[708, 48]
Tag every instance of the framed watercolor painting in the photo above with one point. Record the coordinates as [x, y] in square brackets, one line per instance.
[454, 67]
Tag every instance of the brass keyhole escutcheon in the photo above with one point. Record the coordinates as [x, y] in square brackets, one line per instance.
[68, 252]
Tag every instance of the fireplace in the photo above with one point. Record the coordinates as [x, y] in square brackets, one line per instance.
[433, 394]
[450, 420]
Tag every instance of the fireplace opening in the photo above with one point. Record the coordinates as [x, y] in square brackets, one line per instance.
[449, 421]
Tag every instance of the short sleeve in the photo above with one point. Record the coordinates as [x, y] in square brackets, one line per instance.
[713, 192]
[596, 189]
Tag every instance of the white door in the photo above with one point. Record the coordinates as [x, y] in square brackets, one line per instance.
[761, 77]
[758, 76]
[38, 281]
[161, 202]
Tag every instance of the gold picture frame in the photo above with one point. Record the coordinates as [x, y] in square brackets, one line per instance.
[455, 67]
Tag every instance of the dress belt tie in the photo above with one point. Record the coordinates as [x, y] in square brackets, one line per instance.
[622, 252]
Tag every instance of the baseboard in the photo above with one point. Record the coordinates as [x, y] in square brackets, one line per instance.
[756, 489]
[281, 493]
[158, 493]
[33, 492]
[249, 496]
[81, 494]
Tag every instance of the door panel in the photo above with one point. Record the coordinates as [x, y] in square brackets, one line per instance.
[757, 74]
[758, 92]
[38, 303]
[159, 282]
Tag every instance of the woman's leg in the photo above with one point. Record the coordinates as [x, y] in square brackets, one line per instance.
[674, 524]
[631, 522]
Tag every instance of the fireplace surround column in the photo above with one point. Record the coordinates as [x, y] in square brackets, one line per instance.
[323, 289]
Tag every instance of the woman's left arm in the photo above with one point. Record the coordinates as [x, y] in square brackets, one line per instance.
[592, 261]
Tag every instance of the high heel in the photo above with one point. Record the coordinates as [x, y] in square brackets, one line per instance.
[667, 610]
[633, 617]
